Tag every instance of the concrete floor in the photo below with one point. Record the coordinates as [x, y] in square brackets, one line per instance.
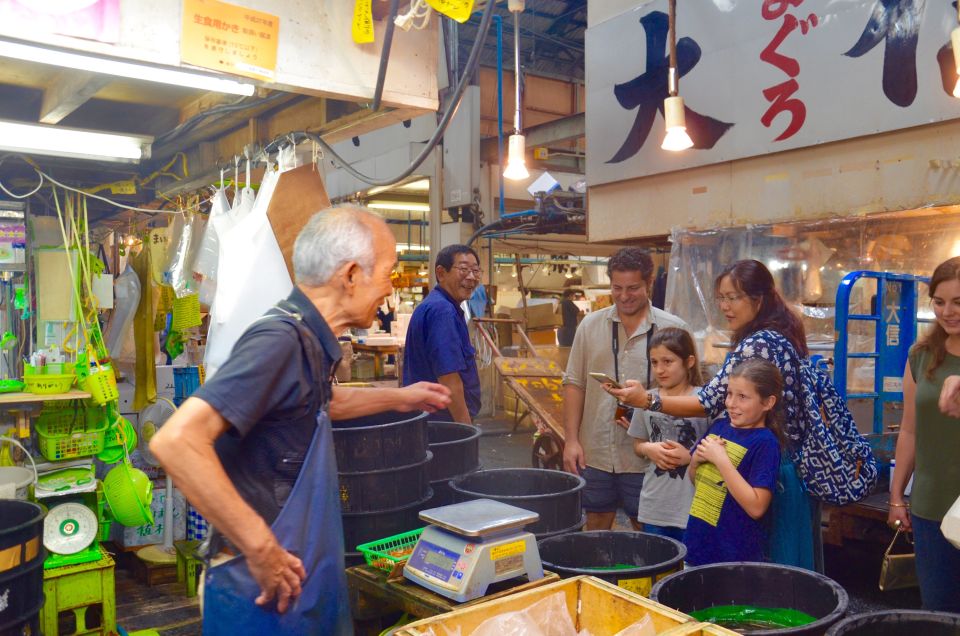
[856, 566]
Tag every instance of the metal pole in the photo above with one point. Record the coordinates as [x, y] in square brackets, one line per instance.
[499, 20]
[516, 72]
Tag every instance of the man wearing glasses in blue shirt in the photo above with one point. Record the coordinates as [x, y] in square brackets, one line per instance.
[438, 346]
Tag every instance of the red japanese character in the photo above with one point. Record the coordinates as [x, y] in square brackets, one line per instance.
[773, 9]
[770, 55]
[780, 99]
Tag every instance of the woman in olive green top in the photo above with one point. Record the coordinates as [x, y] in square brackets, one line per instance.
[929, 446]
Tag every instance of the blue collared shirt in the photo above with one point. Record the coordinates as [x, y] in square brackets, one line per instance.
[438, 343]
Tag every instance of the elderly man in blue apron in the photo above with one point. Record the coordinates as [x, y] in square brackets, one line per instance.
[252, 449]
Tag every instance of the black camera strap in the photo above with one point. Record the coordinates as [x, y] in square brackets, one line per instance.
[615, 340]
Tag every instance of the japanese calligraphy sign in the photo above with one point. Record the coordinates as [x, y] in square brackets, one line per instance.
[762, 76]
[229, 38]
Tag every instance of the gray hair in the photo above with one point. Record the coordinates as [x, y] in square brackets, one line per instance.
[330, 239]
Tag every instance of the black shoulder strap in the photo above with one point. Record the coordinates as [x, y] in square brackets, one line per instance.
[653, 328]
[615, 339]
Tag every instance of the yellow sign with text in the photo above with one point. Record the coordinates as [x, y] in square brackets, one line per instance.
[229, 38]
[362, 27]
[459, 10]
[507, 549]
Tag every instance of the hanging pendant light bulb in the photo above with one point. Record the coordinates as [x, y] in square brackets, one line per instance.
[516, 162]
[674, 117]
[516, 169]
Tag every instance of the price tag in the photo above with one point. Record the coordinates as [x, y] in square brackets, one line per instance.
[363, 21]
[459, 10]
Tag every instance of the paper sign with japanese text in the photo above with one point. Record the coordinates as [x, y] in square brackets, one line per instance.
[761, 77]
[229, 38]
[362, 27]
[459, 10]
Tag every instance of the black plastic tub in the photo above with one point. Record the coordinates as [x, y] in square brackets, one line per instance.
[632, 560]
[385, 440]
[556, 533]
[758, 584]
[897, 623]
[21, 534]
[364, 527]
[455, 448]
[375, 490]
[552, 494]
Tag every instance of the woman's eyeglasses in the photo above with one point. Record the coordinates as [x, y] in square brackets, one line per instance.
[720, 299]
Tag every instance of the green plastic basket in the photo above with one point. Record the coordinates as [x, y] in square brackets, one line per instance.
[68, 433]
[386, 553]
[48, 384]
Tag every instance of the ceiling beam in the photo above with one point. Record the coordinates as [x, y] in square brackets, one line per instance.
[67, 92]
[568, 128]
[216, 126]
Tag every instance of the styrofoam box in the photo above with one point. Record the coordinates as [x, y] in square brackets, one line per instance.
[151, 534]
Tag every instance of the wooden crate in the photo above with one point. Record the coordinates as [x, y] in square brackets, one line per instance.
[698, 629]
[595, 606]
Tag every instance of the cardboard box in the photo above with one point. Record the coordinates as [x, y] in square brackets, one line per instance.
[537, 337]
[596, 607]
[538, 315]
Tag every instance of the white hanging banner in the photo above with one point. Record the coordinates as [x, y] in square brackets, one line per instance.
[762, 76]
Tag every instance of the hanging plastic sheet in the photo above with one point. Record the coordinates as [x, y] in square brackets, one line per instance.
[126, 295]
[208, 252]
[808, 259]
[178, 272]
[251, 277]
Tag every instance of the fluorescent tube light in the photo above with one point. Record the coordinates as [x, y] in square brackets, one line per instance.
[70, 142]
[132, 70]
[399, 205]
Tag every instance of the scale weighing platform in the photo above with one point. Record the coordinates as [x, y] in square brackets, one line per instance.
[472, 544]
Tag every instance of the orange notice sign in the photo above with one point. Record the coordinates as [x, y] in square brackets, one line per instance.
[226, 37]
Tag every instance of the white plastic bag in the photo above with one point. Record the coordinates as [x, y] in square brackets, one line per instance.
[643, 627]
[179, 271]
[251, 277]
[208, 253]
[950, 526]
[546, 617]
[126, 295]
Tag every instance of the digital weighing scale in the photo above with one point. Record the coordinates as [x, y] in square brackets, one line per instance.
[472, 544]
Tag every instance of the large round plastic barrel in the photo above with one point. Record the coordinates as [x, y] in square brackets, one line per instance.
[761, 585]
[455, 448]
[364, 527]
[375, 490]
[384, 440]
[21, 540]
[897, 623]
[552, 494]
[632, 560]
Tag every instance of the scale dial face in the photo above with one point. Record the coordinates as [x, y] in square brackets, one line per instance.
[69, 528]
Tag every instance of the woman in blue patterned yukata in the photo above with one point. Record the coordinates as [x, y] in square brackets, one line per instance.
[763, 327]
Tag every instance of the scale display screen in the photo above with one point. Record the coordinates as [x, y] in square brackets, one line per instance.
[434, 560]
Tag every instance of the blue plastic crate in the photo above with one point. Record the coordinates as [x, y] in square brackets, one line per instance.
[186, 380]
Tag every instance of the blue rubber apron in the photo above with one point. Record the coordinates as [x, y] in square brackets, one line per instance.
[308, 526]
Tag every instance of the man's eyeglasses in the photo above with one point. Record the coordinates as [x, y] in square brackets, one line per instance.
[720, 299]
[466, 271]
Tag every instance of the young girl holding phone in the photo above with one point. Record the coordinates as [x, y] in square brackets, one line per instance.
[734, 469]
[667, 440]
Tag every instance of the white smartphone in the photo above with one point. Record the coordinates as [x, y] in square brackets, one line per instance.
[603, 378]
